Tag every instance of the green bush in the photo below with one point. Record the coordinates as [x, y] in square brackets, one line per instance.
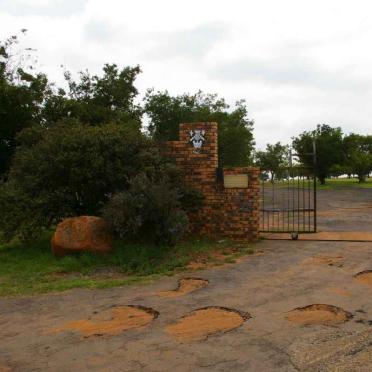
[71, 169]
[149, 210]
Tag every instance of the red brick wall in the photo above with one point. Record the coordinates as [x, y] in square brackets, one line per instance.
[226, 213]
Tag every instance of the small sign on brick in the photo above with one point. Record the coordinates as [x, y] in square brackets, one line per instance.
[234, 181]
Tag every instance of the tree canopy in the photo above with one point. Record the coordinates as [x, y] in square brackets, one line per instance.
[329, 149]
[95, 100]
[271, 160]
[28, 99]
[22, 94]
[358, 155]
[235, 129]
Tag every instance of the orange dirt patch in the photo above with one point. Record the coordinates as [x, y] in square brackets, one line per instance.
[201, 323]
[185, 285]
[364, 277]
[324, 260]
[340, 291]
[111, 322]
[4, 368]
[318, 314]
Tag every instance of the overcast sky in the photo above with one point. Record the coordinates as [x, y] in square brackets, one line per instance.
[296, 63]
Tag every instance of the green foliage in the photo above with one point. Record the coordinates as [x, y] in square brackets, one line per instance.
[343, 183]
[329, 149]
[275, 157]
[235, 137]
[96, 100]
[358, 155]
[31, 268]
[150, 209]
[71, 169]
[22, 93]
[28, 99]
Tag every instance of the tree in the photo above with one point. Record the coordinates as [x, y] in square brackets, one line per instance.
[275, 157]
[235, 137]
[329, 149]
[358, 155]
[28, 99]
[97, 99]
[22, 93]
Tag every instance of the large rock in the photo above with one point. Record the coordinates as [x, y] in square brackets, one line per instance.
[81, 234]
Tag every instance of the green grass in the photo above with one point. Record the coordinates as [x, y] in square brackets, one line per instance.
[340, 183]
[31, 268]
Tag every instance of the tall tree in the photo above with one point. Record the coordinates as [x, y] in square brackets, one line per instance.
[95, 100]
[275, 157]
[358, 155]
[235, 137]
[22, 93]
[329, 149]
[28, 99]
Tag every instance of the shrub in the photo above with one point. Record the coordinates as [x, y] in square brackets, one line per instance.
[148, 209]
[71, 169]
[19, 214]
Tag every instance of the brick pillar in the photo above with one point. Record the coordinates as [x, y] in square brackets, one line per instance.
[199, 166]
[226, 212]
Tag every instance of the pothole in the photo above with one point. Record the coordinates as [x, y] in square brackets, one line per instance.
[201, 323]
[319, 314]
[185, 285]
[112, 321]
[364, 277]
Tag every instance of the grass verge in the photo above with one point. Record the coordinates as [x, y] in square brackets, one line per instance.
[31, 268]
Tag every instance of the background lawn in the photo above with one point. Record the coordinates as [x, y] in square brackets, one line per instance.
[31, 268]
[338, 183]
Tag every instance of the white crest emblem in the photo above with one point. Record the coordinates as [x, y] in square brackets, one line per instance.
[197, 139]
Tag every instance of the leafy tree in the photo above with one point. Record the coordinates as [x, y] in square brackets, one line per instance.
[28, 99]
[329, 149]
[358, 155]
[96, 99]
[235, 137]
[22, 93]
[275, 157]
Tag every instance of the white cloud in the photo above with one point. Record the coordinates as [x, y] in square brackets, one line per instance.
[297, 63]
[52, 8]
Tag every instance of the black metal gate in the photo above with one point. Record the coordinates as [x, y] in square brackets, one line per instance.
[288, 200]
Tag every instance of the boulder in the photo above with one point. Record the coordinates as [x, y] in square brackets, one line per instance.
[81, 234]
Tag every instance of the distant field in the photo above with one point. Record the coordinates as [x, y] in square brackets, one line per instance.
[331, 184]
[336, 183]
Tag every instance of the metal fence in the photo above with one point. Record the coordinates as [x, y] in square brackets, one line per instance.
[288, 200]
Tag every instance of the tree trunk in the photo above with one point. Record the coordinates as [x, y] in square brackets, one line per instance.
[272, 176]
[361, 178]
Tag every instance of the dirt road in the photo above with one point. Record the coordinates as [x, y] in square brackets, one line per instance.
[247, 326]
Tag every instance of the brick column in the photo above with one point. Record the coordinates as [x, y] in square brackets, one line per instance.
[230, 213]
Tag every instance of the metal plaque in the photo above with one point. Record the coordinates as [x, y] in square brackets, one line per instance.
[233, 181]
